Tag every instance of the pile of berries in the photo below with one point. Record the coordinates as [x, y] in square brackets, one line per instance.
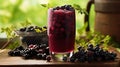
[33, 51]
[33, 35]
[34, 40]
[65, 7]
[92, 54]
[32, 29]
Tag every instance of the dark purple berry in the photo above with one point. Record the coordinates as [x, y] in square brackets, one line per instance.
[48, 58]
[79, 48]
[23, 29]
[11, 53]
[44, 56]
[45, 27]
[72, 59]
[26, 56]
[68, 7]
[46, 50]
[39, 56]
[54, 8]
[114, 54]
[97, 47]
[57, 8]
[40, 28]
[16, 53]
[43, 46]
[76, 55]
[40, 51]
[19, 48]
[62, 7]
[30, 30]
[65, 58]
[81, 59]
[90, 45]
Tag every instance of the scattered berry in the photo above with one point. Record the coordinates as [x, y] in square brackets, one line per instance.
[11, 53]
[23, 29]
[44, 56]
[48, 58]
[79, 48]
[65, 58]
[72, 59]
[46, 50]
[45, 27]
[39, 56]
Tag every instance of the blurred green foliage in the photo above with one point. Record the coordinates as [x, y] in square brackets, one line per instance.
[18, 11]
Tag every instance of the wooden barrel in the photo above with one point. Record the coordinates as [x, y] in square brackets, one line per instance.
[107, 18]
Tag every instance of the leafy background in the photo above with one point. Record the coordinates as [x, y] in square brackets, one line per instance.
[18, 11]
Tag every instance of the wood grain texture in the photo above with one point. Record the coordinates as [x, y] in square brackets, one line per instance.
[7, 61]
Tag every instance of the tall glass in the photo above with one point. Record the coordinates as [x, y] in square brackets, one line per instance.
[61, 32]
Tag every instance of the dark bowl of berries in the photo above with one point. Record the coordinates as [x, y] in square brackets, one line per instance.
[32, 35]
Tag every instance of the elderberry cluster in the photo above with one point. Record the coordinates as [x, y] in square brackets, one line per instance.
[33, 35]
[33, 51]
[91, 54]
[64, 7]
[32, 29]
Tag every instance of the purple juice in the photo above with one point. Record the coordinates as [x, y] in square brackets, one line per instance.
[61, 29]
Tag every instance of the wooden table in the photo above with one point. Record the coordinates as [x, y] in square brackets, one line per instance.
[7, 61]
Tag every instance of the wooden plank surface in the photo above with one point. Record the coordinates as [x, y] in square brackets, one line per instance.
[7, 61]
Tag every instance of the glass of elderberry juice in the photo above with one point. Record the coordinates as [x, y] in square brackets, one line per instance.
[61, 31]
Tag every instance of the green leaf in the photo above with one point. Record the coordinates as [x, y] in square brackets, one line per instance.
[25, 24]
[85, 12]
[44, 5]
[2, 30]
[38, 30]
[77, 7]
